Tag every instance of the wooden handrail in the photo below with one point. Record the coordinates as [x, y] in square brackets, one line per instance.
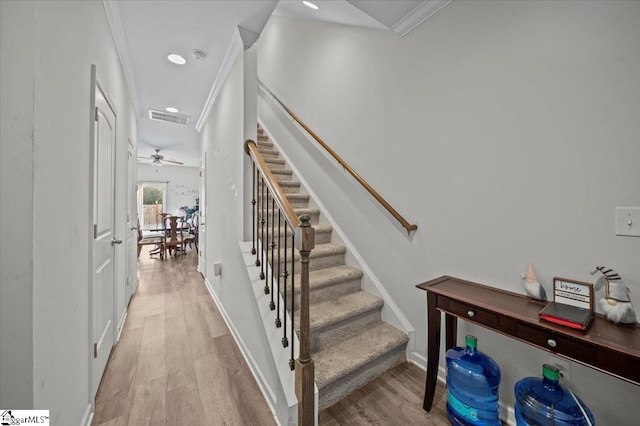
[404, 222]
[281, 199]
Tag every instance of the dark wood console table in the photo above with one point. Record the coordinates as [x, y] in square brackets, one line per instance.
[607, 347]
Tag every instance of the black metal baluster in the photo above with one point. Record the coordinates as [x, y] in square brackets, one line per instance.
[278, 322]
[253, 203]
[258, 218]
[292, 362]
[266, 288]
[285, 341]
[272, 304]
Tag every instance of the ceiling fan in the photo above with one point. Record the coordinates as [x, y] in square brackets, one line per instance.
[158, 159]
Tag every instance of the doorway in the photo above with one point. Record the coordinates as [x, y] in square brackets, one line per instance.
[102, 283]
[152, 200]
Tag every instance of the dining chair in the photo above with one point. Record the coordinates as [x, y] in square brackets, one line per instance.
[191, 237]
[151, 238]
[174, 241]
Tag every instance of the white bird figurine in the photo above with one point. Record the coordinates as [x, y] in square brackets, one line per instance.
[532, 286]
[615, 304]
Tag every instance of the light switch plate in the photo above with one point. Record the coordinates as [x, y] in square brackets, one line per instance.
[628, 221]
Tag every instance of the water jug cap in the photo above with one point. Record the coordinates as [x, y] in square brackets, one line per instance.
[472, 341]
[550, 372]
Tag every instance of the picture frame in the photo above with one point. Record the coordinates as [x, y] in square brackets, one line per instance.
[574, 293]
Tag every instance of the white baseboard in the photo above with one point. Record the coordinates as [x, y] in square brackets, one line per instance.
[87, 418]
[123, 318]
[265, 388]
[418, 360]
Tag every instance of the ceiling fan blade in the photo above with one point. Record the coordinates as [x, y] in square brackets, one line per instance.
[166, 160]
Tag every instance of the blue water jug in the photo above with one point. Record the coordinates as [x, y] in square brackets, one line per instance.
[473, 379]
[544, 402]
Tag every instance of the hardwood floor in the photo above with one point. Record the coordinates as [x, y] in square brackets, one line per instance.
[176, 362]
[395, 398]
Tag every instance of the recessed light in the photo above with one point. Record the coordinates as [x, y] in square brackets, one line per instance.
[311, 5]
[172, 109]
[176, 59]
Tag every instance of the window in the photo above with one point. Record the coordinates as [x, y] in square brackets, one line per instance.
[152, 200]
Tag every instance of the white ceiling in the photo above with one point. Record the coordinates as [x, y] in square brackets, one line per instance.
[146, 31]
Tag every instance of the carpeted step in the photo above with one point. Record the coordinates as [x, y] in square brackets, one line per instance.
[290, 187]
[269, 152]
[350, 364]
[265, 145]
[274, 163]
[322, 233]
[282, 174]
[328, 284]
[322, 256]
[313, 213]
[342, 318]
[297, 200]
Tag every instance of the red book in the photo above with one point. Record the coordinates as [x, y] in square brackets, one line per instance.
[567, 315]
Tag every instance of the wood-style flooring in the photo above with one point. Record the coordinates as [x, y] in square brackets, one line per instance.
[395, 398]
[177, 363]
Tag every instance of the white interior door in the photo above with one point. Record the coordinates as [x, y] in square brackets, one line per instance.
[103, 280]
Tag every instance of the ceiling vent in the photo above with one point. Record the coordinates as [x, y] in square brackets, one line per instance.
[168, 117]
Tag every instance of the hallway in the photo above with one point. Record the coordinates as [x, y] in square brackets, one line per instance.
[176, 361]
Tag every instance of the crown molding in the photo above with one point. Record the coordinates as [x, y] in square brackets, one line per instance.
[114, 18]
[235, 47]
[248, 37]
[418, 15]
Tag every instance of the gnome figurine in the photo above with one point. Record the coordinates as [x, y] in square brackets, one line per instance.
[615, 303]
[532, 286]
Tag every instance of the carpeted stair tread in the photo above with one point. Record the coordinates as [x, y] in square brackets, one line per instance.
[271, 152]
[334, 311]
[346, 357]
[322, 233]
[277, 172]
[301, 211]
[298, 196]
[293, 196]
[294, 184]
[271, 161]
[320, 250]
[330, 276]
[319, 228]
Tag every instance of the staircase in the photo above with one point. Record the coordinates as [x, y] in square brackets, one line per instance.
[349, 342]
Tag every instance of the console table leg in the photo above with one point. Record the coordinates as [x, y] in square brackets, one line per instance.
[451, 331]
[433, 350]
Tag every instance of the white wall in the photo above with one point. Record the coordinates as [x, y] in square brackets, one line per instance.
[17, 41]
[55, 85]
[223, 136]
[181, 181]
[508, 131]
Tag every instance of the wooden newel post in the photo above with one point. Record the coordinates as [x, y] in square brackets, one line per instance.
[305, 375]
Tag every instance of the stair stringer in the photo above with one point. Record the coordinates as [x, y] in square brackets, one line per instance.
[391, 313]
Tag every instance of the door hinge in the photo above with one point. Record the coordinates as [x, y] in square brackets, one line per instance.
[95, 231]
[95, 350]
[96, 114]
